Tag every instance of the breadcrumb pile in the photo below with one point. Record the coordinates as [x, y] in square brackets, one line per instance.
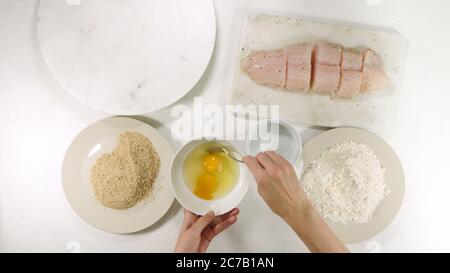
[125, 177]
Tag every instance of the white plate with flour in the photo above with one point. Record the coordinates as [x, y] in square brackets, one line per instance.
[388, 208]
[96, 140]
[127, 57]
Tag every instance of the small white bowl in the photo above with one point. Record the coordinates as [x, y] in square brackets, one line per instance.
[289, 144]
[197, 205]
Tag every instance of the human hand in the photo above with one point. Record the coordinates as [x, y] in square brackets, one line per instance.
[280, 188]
[278, 184]
[197, 232]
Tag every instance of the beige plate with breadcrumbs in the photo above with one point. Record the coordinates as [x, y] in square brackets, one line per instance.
[389, 206]
[95, 140]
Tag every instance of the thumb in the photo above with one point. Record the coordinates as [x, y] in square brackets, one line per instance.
[203, 222]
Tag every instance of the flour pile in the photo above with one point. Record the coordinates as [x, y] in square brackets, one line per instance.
[346, 182]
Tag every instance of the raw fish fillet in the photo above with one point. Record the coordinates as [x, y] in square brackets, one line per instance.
[324, 68]
[351, 59]
[326, 53]
[374, 77]
[325, 79]
[298, 77]
[299, 54]
[267, 67]
[350, 84]
[298, 74]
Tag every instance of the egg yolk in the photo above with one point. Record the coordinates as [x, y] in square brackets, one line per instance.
[206, 185]
[212, 163]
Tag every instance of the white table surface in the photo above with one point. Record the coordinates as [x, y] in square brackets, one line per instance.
[38, 120]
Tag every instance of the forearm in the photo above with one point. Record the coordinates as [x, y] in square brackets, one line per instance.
[313, 230]
[279, 186]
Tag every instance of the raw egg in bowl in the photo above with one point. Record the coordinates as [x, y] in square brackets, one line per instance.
[202, 180]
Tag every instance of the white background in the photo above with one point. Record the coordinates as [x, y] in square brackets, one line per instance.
[38, 120]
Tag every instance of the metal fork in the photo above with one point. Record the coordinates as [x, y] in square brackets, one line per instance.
[228, 150]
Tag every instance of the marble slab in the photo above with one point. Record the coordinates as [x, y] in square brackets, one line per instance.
[127, 57]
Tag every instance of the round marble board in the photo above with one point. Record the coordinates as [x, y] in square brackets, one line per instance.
[127, 57]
